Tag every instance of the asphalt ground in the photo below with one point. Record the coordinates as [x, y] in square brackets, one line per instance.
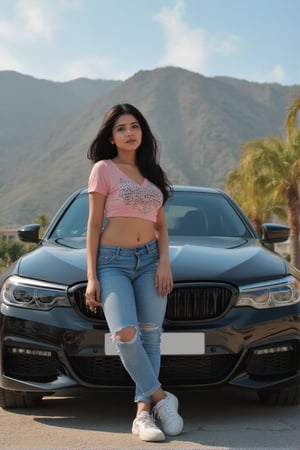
[92, 420]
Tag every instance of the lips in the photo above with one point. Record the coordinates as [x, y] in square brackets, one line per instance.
[131, 141]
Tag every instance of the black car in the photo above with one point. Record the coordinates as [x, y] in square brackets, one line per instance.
[233, 317]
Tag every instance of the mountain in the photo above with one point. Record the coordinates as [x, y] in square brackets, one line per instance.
[200, 122]
[29, 106]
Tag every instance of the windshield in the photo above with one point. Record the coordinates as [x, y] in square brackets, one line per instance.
[203, 214]
[187, 214]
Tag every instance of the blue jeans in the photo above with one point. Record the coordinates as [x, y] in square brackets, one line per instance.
[130, 299]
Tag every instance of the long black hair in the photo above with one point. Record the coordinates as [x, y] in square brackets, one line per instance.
[147, 155]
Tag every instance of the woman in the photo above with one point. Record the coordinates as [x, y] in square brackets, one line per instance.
[128, 265]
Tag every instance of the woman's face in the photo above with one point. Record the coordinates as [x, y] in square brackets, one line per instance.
[126, 133]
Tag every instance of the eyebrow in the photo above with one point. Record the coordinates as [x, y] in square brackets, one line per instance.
[123, 124]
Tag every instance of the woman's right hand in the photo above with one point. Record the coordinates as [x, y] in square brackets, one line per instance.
[92, 295]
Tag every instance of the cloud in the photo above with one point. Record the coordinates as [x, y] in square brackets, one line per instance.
[33, 19]
[184, 46]
[188, 47]
[91, 67]
[278, 74]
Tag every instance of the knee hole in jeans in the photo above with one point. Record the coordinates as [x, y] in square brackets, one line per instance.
[126, 334]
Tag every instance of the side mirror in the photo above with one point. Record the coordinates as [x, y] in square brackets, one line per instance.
[272, 233]
[29, 233]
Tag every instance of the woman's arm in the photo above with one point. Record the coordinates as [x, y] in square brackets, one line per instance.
[94, 227]
[163, 277]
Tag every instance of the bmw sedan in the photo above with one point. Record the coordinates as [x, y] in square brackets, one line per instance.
[233, 317]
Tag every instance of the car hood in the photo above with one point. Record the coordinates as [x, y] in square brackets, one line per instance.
[54, 263]
[233, 260]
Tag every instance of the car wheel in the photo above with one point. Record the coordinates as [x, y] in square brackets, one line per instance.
[286, 396]
[12, 399]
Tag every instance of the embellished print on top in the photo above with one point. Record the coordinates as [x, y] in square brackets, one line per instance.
[143, 198]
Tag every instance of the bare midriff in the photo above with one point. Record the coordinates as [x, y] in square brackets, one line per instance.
[127, 232]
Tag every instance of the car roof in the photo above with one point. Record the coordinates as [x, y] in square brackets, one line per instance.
[185, 188]
[196, 189]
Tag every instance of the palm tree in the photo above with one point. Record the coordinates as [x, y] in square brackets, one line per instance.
[250, 183]
[270, 168]
[293, 142]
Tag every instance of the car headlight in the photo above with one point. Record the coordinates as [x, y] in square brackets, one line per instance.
[33, 294]
[284, 292]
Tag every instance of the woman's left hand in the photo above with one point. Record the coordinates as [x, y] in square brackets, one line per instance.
[164, 279]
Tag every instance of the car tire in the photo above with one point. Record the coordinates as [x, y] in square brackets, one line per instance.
[12, 399]
[286, 396]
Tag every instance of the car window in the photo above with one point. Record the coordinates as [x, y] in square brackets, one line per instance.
[203, 214]
[73, 223]
[187, 214]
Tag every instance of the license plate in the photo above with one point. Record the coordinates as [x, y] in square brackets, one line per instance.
[171, 344]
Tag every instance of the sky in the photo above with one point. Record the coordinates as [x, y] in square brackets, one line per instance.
[60, 40]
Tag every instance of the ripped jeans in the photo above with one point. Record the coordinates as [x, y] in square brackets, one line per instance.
[130, 299]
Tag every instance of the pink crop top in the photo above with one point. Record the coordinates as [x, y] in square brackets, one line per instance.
[124, 197]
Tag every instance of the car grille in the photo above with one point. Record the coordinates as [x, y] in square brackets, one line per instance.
[175, 370]
[77, 297]
[186, 303]
[203, 302]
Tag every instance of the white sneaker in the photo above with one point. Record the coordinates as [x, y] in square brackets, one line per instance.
[165, 412]
[144, 426]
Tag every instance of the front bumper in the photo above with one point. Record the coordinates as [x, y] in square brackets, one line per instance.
[46, 352]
